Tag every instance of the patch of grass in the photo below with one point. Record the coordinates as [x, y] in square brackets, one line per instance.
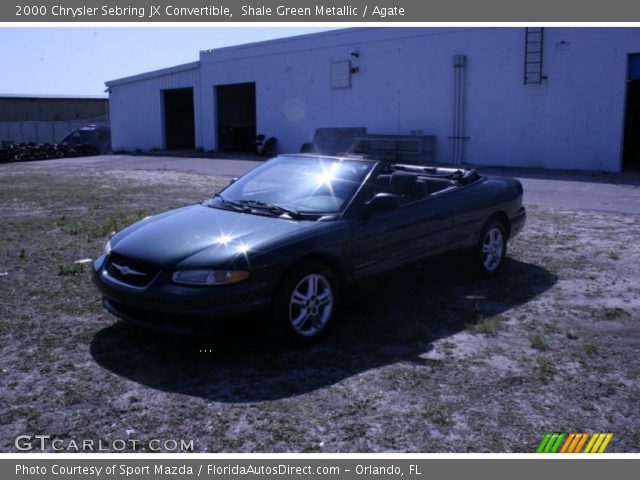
[438, 414]
[487, 325]
[591, 348]
[613, 313]
[70, 269]
[102, 228]
[448, 345]
[539, 341]
[23, 253]
[545, 369]
[434, 362]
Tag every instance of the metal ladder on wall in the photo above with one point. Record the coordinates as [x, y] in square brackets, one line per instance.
[533, 48]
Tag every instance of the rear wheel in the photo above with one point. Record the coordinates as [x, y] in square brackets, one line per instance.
[305, 303]
[492, 247]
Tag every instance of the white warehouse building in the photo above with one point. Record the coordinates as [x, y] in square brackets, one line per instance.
[561, 98]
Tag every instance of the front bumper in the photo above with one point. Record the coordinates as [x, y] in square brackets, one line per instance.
[165, 306]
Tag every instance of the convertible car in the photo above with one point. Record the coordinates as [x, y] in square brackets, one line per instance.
[291, 234]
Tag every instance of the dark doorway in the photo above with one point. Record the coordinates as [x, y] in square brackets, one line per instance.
[631, 149]
[179, 124]
[236, 109]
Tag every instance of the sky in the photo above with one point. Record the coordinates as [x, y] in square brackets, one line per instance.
[77, 61]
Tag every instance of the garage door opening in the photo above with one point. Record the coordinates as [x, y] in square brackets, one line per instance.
[179, 123]
[236, 114]
[631, 149]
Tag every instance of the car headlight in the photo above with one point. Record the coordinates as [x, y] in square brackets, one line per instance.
[209, 277]
[107, 247]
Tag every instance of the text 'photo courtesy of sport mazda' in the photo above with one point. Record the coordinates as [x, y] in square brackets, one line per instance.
[290, 235]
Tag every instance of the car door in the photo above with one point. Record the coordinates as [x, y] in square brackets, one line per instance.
[387, 239]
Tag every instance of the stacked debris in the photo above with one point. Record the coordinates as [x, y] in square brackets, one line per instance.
[24, 152]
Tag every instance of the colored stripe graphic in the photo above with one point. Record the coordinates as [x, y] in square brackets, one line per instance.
[568, 442]
[606, 441]
[577, 443]
[556, 446]
[551, 443]
[555, 442]
[543, 443]
[592, 441]
[582, 441]
[598, 443]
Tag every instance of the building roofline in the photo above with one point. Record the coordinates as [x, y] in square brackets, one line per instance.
[275, 41]
[155, 73]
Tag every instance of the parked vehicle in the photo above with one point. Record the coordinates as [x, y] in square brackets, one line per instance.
[293, 233]
[94, 136]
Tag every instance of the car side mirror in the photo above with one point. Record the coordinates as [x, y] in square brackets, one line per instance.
[232, 181]
[382, 202]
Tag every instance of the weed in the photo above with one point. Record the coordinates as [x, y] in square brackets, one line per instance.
[539, 341]
[448, 345]
[612, 313]
[487, 325]
[591, 348]
[70, 269]
[558, 224]
[438, 414]
[545, 369]
[434, 362]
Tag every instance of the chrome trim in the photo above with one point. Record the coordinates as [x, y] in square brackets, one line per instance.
[126, 270]
[123, 284]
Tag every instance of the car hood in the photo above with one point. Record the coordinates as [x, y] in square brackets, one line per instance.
[200, 236]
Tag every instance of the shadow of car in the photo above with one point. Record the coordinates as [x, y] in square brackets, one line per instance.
[395, 323]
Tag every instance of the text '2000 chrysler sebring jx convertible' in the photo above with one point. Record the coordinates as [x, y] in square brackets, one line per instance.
[291, 234]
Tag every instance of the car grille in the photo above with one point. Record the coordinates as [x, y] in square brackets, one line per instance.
[129, 271]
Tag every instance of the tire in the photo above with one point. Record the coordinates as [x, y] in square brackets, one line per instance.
[492, 247]
[305, 303]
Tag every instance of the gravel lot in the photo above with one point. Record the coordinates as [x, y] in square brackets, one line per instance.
[442, 362]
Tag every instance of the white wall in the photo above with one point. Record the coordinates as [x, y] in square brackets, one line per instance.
[137, 115]
[573, 120]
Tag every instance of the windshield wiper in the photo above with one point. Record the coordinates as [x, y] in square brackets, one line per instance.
[272, 207]
[232, 203]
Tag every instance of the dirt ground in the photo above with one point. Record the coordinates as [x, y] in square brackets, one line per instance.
[443, 362]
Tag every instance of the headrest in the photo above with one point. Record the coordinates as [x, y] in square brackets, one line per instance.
[383, 180]
[403, 181]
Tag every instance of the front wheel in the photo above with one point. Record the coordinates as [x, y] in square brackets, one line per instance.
[305, 303]
[492, 247]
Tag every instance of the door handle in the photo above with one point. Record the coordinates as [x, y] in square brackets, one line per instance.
[441, 215]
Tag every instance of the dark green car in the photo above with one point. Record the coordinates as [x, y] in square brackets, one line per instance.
[291, 234]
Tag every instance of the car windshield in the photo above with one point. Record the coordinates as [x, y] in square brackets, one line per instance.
[297, 185]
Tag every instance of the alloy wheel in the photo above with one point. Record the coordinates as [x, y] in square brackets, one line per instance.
[311, 304]
[492, 249]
